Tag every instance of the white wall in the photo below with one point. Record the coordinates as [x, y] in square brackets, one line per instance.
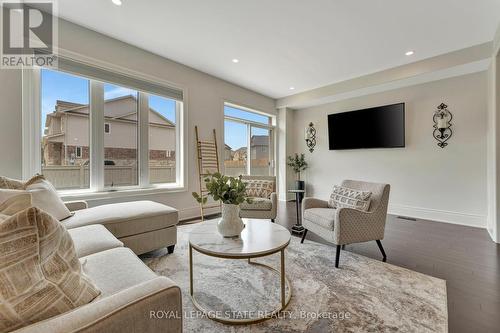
[493, 100]
[427, 181]
[204, 103]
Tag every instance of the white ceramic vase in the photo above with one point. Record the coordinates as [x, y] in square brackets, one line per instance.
[230, 225]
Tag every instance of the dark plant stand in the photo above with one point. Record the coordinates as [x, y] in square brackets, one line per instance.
[299, 195]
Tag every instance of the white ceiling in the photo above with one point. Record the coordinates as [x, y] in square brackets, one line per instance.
[283, 43]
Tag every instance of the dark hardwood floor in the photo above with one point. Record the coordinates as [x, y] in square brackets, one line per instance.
[465, 257]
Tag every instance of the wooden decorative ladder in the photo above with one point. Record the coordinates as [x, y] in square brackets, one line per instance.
[208, 163]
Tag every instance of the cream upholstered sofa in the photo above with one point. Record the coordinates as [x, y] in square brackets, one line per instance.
[142, 226]
[260, 208]
[130, 291]
[347, 225]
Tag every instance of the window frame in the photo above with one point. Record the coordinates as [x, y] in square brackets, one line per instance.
[32, 134]
[252, 124]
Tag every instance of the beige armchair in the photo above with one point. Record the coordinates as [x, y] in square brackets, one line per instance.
[347, 225]
[261, 208]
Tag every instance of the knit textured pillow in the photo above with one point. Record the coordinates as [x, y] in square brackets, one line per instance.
[347, 197]
[259, 188]
[41, 275]
[12, 184]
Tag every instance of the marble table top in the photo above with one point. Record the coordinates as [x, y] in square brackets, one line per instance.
[260, 237]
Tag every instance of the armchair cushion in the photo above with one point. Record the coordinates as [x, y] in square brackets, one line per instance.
[324, 217]
[257, 204]
[350, 198]
[259, 188]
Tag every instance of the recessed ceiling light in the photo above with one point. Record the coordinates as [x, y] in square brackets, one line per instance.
[235, 61]
[292, 88]
[117, 2]
[409, 53]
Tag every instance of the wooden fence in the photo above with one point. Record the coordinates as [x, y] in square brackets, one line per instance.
[74, 176]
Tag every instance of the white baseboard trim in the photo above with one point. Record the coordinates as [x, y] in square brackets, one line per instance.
[492, 235]
[194, 212]
[471, 220]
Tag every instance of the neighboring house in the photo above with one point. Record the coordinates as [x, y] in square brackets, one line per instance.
[66, 137]
[259, 147]
[228, 153]
[240, 154]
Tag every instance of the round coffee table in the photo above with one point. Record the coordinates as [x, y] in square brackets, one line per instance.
[259, 238]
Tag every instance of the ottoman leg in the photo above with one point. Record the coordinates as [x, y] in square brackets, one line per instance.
[170, 249]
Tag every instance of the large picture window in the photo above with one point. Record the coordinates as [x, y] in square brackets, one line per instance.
[65, 129]
[249, 142]
[139, 137]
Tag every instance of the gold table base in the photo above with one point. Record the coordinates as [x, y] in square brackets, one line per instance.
[284, 283]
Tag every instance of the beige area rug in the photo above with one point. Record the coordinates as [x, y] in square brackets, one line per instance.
[363, 295]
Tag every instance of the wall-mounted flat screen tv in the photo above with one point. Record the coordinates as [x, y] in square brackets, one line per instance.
[377, 127]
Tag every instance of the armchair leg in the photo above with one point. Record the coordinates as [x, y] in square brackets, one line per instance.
[379, 243]
[272, 220]
[303, 236]
[337, 257]
[343, 247]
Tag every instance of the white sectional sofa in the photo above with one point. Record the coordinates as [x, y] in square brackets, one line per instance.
[130, 290]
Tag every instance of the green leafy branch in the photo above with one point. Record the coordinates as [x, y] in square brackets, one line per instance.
[297, 163]
[229, 190]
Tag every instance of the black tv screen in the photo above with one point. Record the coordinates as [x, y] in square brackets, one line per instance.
[378, 127]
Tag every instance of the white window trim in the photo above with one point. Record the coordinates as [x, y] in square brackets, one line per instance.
[32, 133]
[250, 124]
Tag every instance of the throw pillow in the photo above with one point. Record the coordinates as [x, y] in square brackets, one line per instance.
[347, 197]
[41, 274]
[259, 188]
[12, 184]
[15, 204]
[43, 195]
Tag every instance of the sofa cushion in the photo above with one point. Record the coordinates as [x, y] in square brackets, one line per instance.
[115, 270]
[93, 238]
[126, 218]
[324, 217]
[41, 276]
[351, 198]
[257, 204]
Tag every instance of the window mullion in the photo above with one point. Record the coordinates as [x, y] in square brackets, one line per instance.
[96, 135]
[249, 150]
[143, 138]
[179, 144]
[32, 113]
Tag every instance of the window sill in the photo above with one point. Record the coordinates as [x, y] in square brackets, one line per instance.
[88, 194]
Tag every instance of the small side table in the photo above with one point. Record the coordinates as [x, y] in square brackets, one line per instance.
[299, 194]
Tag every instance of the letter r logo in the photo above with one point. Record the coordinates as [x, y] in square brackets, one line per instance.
[27, 27]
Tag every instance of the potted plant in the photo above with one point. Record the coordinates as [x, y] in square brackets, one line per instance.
[231, 192]
[298, 163]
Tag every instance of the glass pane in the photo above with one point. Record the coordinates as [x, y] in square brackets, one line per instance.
[120, 136]
[260, 144]
[162, 136]
[65, 129]
[235, 148]
[238, 113]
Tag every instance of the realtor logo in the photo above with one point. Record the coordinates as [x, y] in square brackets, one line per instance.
[29, 34]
